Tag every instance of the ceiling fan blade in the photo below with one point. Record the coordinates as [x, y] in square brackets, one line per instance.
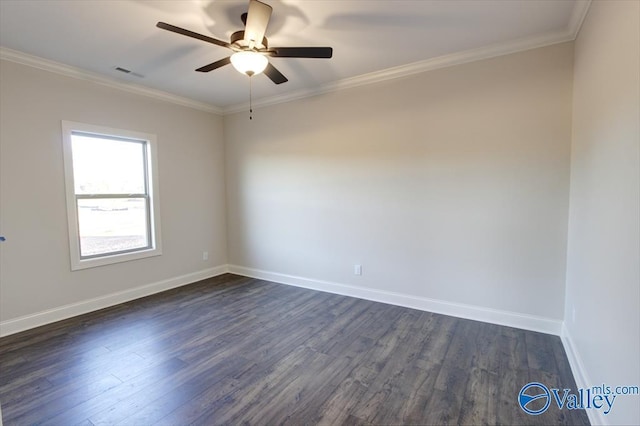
[300, 52]
[188, 33]
[257, 20]
[276, 76]
[215, 65]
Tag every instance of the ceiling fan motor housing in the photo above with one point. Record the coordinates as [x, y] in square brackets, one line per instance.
[238, 41]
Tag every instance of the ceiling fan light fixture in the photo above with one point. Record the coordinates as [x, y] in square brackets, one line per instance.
[249, 63]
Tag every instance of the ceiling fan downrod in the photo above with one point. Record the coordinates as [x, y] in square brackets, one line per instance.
[250, 74]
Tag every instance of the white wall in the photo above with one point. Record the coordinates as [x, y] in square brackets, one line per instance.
[449, 185]
[603, 272]
[35, 273]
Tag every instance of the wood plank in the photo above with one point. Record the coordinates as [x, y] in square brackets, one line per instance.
[135, 389]
[180, 391]
[480, 399]
[236, 350]
[338, 408]
[540, 352]
[509, 412]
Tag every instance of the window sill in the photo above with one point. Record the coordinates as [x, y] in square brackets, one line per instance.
[116, 258]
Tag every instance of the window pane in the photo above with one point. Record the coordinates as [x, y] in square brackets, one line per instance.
[107, 166]
[112, 225]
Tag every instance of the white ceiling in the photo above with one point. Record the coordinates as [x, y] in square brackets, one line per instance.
[371, 40]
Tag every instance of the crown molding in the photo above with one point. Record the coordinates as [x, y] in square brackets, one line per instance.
[580, 9]
[74, 72]
[410, 69]
[570, 33]
[577, 17]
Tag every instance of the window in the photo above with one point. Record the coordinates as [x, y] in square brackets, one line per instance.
[112, 195]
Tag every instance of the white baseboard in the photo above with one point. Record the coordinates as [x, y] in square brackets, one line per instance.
[63, 312]
[477, 313]
[579, 373]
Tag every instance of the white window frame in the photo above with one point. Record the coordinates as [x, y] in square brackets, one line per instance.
[77, 262]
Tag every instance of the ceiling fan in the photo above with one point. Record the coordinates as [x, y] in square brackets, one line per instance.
[251, 47]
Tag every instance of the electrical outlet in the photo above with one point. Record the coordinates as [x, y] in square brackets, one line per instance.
[357, 269]
[205, 255]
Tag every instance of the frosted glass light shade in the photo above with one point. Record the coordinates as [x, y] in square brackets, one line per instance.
[249, 63]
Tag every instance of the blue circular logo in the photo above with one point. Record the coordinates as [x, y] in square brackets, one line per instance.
[532, 396]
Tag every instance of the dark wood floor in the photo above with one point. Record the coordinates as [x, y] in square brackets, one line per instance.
[234, 350]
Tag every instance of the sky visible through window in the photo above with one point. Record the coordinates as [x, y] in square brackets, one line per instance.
[107, 166]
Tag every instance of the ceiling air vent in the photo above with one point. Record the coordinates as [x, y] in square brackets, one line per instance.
[126, 71]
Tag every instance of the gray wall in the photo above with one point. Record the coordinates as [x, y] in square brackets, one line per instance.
[602, 313]
[35, 270]
[449, 185]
